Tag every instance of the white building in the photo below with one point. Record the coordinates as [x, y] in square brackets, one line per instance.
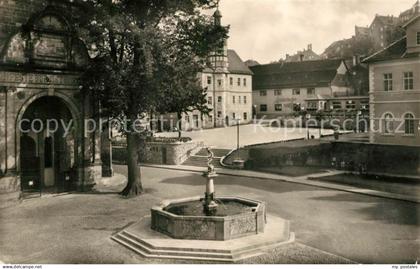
[229, 91]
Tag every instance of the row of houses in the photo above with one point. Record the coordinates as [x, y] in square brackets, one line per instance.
[285, 89]
[394, 82]
[237, 92]
[384, 87]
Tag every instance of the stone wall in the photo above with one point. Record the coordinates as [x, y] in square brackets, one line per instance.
[160, 152]
[318, 155]
[351, 156]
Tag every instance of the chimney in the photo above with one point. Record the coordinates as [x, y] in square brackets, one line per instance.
[310, 47]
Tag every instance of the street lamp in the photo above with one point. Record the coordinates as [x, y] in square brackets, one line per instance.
[238, 162]
[238, 120]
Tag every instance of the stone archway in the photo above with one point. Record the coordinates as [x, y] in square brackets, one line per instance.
[56, 150]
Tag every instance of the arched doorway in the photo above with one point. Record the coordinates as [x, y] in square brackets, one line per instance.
[47, 146]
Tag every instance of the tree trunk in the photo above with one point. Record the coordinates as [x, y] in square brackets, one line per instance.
[134, 186]
[179, 114]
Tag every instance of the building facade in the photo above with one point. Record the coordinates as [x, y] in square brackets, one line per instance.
[394, 78]
[41, 62]
[303, 55]
[228, 84]
[283, 89]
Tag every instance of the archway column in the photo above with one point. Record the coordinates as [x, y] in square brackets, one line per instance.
[106, 152]
[90, 168]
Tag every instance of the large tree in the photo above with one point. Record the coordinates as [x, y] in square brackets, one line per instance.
[147, 56]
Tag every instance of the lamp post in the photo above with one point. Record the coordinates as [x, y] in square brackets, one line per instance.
[237, 137]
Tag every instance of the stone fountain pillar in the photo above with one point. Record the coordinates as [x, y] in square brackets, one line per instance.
[209, 204]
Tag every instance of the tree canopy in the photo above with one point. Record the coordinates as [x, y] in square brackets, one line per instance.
[147, 55]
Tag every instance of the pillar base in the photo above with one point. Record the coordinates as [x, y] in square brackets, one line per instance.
[107, 171]
[88, 176]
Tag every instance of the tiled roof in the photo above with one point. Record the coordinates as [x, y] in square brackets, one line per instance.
[320, 73]
[396, 50]
[236, 65]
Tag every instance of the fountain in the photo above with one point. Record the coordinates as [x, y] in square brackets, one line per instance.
[209, 218]
[197, 227]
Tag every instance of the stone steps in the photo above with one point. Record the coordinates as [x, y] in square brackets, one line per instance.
[145, 250]
[196, 250]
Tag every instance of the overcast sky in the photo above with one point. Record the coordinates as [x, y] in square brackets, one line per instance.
[265, 30]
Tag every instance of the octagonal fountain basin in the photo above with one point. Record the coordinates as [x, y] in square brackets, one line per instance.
[184, 218]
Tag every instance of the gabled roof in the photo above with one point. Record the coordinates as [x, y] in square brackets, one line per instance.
[236, 65]
[320, 73]
[396, 50]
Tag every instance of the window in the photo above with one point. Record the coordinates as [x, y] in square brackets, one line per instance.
[388, 123]
[210, 118]
[231, 81]
[219, 114]
[277, 92]
[409, 123]
[388, 82]
[278, 107]
[245, 82]
[187, 118]
[350, 105]
[245, 116]
[408, 81]
[208, 80]
[263, 108]
[418, 38]
[219, 82]
[297, 107]
[311, 91]
[219, 99]
[210, 100]
[244, 99]
[263, 93]
[239, 81]
[312, 105]
[233, 115]
[336, 105]
[233, 99]
[296, 91]
[364, 105]
[239, 99]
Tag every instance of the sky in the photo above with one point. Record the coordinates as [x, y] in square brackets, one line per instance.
[266, 30]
